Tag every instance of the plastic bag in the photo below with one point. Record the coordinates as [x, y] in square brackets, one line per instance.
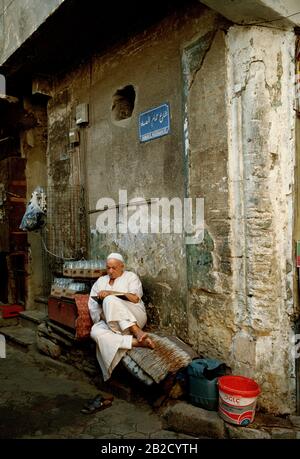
[34, 217]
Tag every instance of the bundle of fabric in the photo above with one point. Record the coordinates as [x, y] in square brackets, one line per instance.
[169, 356]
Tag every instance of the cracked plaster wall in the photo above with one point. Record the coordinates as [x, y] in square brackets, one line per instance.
[239, 147]
[115, 159]
[210, 312]
[260, 72]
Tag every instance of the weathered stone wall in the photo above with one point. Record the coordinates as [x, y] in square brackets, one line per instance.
[261, 172]
[19, 19]
[115, 159]
[209, 264]
[239, 146]
[34, 146]
[231, 143]
[283, 12]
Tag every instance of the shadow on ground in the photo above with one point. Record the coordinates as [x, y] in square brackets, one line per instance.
[40, 415]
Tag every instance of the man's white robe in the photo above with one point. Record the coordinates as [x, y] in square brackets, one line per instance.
[112, 336]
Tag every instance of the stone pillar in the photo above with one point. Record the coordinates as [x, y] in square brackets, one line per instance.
[261, 158]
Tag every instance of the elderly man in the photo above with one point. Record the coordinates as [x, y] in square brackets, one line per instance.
[118, 322]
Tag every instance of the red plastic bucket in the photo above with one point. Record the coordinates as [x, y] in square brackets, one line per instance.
[237, 399]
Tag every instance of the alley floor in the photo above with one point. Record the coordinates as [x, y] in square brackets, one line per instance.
[42, 398]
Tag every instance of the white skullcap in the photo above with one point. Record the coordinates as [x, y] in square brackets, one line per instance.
[116, 256]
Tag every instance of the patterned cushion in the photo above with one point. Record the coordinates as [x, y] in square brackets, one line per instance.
[83, 322]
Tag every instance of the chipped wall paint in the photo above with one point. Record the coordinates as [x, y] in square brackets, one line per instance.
[260, 170]
[210, 314]
[239, 148]
[153, 169]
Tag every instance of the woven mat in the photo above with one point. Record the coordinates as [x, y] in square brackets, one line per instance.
[167, 357]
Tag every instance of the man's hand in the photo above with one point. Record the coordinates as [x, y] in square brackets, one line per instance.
[130, 296]
[103, 293]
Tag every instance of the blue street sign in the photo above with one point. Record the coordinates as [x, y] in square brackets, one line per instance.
[154, 123]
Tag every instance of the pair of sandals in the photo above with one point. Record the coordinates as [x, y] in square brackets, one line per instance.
[99, 403]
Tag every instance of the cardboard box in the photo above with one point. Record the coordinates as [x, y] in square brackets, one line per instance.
[78, 272]
[56, 291]
[69, 293]
[95, 273]
[86, 273]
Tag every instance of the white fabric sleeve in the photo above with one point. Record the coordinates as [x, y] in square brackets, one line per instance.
[94, 307]
[135, 286]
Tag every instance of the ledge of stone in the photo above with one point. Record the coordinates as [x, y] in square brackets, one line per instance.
[21, 336]
[295, 420]
[266, 420]
[246, 433]
[278, 434]
[189, 419]
[10, 322]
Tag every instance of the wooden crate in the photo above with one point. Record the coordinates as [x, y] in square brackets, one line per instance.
[62, 311]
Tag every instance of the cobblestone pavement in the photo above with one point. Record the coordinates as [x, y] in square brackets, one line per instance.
[42, 398]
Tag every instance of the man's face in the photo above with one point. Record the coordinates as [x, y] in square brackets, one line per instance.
[115, 268]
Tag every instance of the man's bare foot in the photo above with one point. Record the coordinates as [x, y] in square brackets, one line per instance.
[138, 333]
[141, 336]
[147, 342]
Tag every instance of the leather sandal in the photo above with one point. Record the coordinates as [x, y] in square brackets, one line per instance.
[99, 403]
